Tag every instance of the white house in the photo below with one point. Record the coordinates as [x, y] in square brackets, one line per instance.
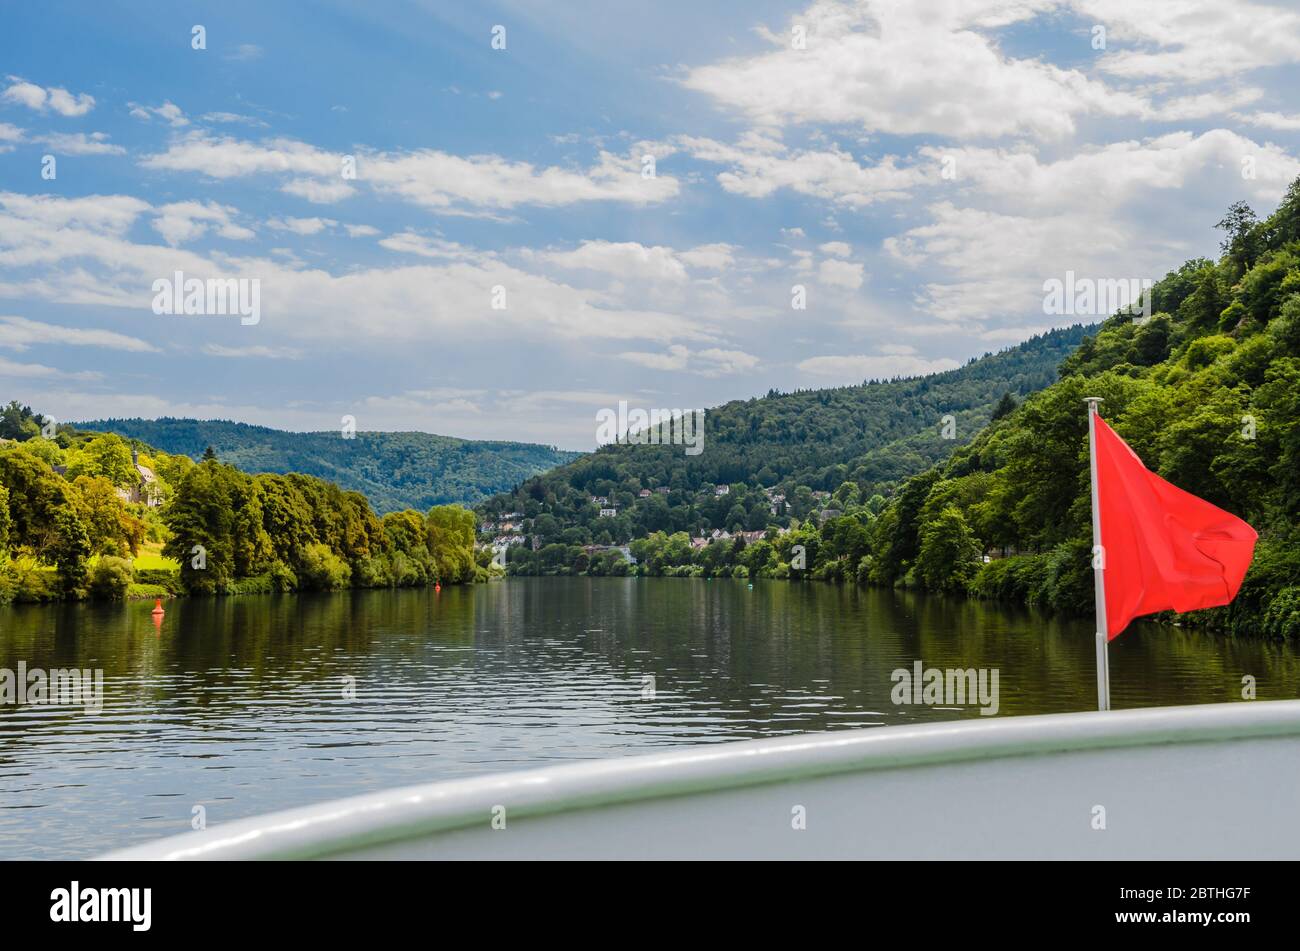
[146, 489]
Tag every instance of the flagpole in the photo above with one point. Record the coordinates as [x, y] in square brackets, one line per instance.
[1098, 564]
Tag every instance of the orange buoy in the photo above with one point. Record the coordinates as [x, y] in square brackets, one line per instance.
[157, 607]
[437, 587]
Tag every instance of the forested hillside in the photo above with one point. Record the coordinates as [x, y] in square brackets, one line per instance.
[791, 445]
[1207, 393]
[394, 470]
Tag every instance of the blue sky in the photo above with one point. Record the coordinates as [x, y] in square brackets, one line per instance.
[523, 168]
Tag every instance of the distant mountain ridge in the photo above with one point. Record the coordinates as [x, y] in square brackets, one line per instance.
[875, 434]
[394, 470]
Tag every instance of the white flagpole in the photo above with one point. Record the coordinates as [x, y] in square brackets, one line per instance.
[1098, 564]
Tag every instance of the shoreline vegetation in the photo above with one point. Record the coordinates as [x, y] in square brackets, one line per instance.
[1206, 390]
[92, 516]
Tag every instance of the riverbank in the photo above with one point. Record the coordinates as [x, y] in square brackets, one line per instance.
[116, 582]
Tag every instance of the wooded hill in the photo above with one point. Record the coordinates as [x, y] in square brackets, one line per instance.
[794, 444]
[1207, 393]
[394, 471]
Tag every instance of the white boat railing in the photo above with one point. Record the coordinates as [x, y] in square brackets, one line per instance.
[352, 825]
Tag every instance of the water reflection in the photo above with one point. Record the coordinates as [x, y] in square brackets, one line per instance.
[242, 705]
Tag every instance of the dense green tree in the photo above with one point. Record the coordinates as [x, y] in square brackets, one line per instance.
[42, 519]
[287, 517]
[216, 523]
[408, 540]
[950, 553]
[107, 456]
[451, 542]
[110, 528]
[17, 422]
[4, 525]
[47, 450]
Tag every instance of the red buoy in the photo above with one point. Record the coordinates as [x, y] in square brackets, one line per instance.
[157, 607]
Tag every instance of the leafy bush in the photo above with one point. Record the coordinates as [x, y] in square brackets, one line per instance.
[322, 570]
[148, 592]
[25, 583]
[167, 579]
[1282, 619]
[110, 578]
[1010, 579]
[282, 577]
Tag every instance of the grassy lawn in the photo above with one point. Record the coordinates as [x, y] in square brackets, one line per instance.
[151, 557]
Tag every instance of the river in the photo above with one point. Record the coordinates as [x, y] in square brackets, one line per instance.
[243, 705]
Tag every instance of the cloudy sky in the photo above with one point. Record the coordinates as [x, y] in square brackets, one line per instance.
[640, 184]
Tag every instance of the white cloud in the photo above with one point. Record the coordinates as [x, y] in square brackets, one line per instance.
[42, 99]
[227, 157]
[675, 358]
[711, 361]
[361, 231]
[1120, 172]
[440, 181]
[426, 178]
[185, 221]
[1204, 105]
[909, 69]
[301, 226]
[1194, 40]
[723, 362]
[840, 274]
[408, 242]
[626, 260]
[38, 371]
[1271, 120]
[19, 333]
[860, 367]
[1023, 220]
[232, 118]
[317, 191]
[79, 253]
[839, 249]
[169, 112]
[256, 352]
[79, 143]
[760, 166]
[709, 257]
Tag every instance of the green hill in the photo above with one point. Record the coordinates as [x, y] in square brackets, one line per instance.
[1207, 393]
[394, 471]
[871, 435]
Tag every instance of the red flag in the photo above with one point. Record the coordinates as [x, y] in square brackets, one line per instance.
[1164, 548]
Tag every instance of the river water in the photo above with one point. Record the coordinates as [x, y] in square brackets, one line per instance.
[244, 705]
